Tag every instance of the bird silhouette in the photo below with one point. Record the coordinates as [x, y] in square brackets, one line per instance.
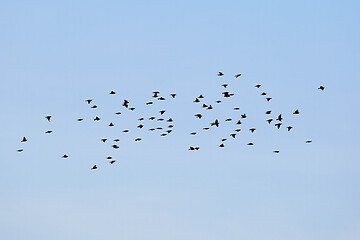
[48, 118]
[225, 85]
[220, 74]
[104, 139]
[238, 75]
[296, 112]
[269, 120]
[258, 86]
[65, 156]
[279, 118]
[173, 95]
[308, 141]
[268, 99]
[47, 132]
[268, 112]
[112, 92]
[276, 151]
[278, 125]
[96, 119]
[24, 139]
[162, 112]
[215, 123]
[94, 167]
[322, 88]
[252, 130]
[289, 128]
[88, 101]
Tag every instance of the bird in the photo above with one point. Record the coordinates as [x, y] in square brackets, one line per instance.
[268, 112]
[48, 118]
[118, 113]
[160, 128]
[47, 132]
[278, 125]
[209, 107]
[201, 96]
[112, 92]
[151, 118]
[115, 146]
[88, 101]
[206, 128]
[79, 119]
[238, 122]
[226, 94]
[236, 108]
[132, 108]
[269, 120]
[160, 119]
[140, 126]
[155, 94]
[279, 118]
[140, 119]
[196, 148]
[220, 74]
[258, 86]
[170, 120]
[223, 139]
[162, 112]
[96, 119]
[193, 133]
[308, 141]
[94, 106]
[126, 103]
[233, 135]
[263, 93]
[289, 128]
[191, 148]
[151, 129]
[20, 150]
[112, 161]
[169, 131]
[225, 85]
[215, 123]
[126, 130]
[243, 115]
[218, 101]
[228, 119]
[268, 99]
[276, 151]
[104, 139]
[221, 145]
[148, 103]
[296, 112]
[237, 75]
[24, 139]
[116, 140]
[321, 88]
[196, 100]
[65, 156]
[252, 129]
[173, 95]
[237, 130]
[94, 167]
[170, 126]
[137, 139]
[204, 105]
[250, 144]
[109, 157]
[163, 134]
[161, 98]
[111, 124]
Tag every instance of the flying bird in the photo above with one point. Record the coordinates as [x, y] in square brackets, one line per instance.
[148, 103]
[220, 74]
[173, 95]
[161, 98]
[137, 139]
[24, 139]
[162, 112]
[224, 85]
[215, 123]
[111, 124]
[222, 145]
[238, 75]
[112, 92]
[94, 106]
[20, 150]
[112, 161]
[263, 94]
[276, 151]
[79, 119]
[47, 132]
[96, 119]
[289, 128]
[233, 135]
[252, 130]
[258, 86]
[268, 99]
[309, 141]
[279, 118]
[65, 156]
[250, 144]
[321, 88]
[115, 146]
[201, 96]
[278, 125]
[126, 103]
[196, 100]
[269, 120]
[94, 167]
[48, 118]
[155, 94]
[88, 101]
[104, 139]
[296, 112]
[268, 112]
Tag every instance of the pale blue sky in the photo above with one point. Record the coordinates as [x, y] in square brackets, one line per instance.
[54, 55]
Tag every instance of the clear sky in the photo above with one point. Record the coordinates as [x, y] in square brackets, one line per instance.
[56, 54]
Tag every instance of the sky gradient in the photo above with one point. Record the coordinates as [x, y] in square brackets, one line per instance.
[56, 54]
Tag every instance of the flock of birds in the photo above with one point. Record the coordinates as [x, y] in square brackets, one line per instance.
[278, 121]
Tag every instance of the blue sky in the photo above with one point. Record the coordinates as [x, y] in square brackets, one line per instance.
[54, 55]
